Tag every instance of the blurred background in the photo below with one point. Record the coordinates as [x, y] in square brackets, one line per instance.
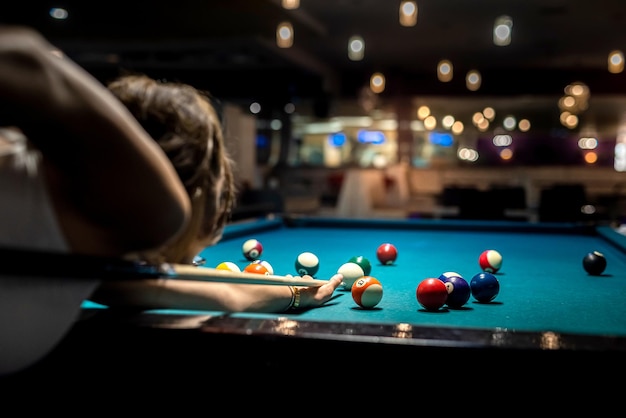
[483, 109]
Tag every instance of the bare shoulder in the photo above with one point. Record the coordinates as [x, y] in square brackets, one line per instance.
[22, 40]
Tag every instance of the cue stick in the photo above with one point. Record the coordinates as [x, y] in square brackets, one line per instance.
[19, 262]
[188, 272]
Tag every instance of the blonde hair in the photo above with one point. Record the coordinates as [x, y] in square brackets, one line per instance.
[185, 124]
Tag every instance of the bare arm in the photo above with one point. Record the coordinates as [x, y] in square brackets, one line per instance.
[194, 295]
[115, 188]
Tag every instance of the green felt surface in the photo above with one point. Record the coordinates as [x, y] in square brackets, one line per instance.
[543, 286]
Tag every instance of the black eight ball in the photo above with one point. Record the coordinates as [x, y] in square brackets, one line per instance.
[594, 263]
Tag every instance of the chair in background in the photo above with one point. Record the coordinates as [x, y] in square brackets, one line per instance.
[471, 203]
[509, 202]
[491, 204]
[562, 203]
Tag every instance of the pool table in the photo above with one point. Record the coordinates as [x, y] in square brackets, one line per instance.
[548, 307]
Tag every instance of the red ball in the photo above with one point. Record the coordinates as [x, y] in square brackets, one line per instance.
[252, 249]
[367, 292]
[432, 294]
[387, 253]
[490, 261]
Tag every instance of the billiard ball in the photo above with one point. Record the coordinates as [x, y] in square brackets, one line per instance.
[448, 274]
[459, 290]
[268, 266]
[256, 268]
[387, 253]
[490, 261]
[228, 265]
[431, 293]
[351, 272]
[363, 262]
[594, 263]
[367, 292]
[484, 287]
[252, 249]
[307, 263]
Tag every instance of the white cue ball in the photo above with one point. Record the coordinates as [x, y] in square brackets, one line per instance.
[351, 272]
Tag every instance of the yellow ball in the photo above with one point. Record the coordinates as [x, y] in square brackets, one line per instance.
[230, 266]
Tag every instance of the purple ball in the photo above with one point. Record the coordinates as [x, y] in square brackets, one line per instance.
[459, 290]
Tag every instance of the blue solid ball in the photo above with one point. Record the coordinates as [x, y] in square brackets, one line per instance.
[484, 287]
[459, 290]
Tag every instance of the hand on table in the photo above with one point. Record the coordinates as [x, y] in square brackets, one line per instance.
[311, 297]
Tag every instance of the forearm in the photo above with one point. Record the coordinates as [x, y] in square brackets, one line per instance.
[196, 295]
[193, 295]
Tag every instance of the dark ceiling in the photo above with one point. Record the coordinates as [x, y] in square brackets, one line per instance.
[228, 46]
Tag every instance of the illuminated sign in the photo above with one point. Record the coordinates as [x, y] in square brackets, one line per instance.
[371, 137]
[337, 139]
[441, 139]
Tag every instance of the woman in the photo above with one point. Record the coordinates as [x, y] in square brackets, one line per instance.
[80, 174]
[186, 126]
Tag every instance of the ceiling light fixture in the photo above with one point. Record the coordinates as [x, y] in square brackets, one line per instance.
[290, 4]
[444, 71]
[616, 62]
[408, 13]
[284, 35]
[356, 48]
[377, 83]
[502, 29]
[472, 80]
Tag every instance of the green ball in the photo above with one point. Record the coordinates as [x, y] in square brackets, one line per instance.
[363, 262]
[307, 263]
